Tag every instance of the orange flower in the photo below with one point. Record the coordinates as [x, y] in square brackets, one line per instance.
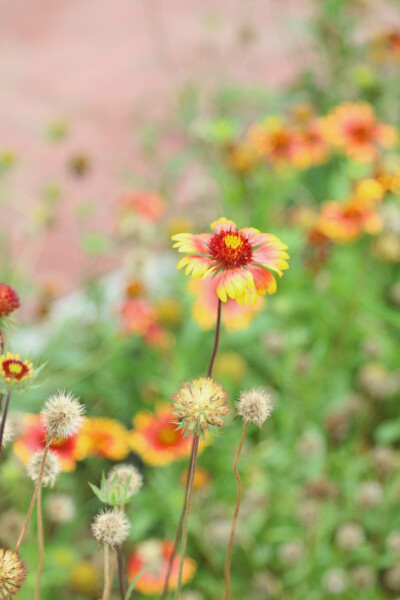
[9, 300]
[33, 439]
[204, 310]
[345, 222]
[238, 259]
[202, 478]
[147, 205]
[140, 317]
[275, 141]
[312, 148]
[355, 129]
[156, 438]
[101, 436]
[154, 556]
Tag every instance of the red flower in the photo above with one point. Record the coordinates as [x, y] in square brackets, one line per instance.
[9, 300]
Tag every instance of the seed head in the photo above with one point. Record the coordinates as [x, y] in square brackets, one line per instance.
[198, 406]
[62, 416]
[125, 475]
[12, 574]
[255, 406]
[111, 527]
[350, 536]
[60, 508]
[51, 468]
[369, 494]
[334, 581]
[8, 433]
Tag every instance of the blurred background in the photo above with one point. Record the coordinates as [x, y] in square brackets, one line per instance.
[125, 122]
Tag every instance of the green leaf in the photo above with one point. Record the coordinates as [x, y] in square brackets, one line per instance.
[133, 583]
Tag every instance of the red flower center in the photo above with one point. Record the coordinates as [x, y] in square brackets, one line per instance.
[231, 249]
[14, 369]
[361, 132]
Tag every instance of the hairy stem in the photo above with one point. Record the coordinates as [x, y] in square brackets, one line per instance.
[216, 341]
[40, 540]
[33, 501]
[107, 578]
[227, 569]
[186, 516]
[3, 420]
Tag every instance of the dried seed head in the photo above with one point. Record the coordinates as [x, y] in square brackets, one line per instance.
[335, 581]
[111, 527]
[363, 577]
[198, 406]
[11, 523]
[291, 552]
[125, 475]
[369, 494]
[350, 536]
[255, 406]
[8, 433]
[60, 508]
[391, 578]
[51, 468]
[62, 416]
[12, 574]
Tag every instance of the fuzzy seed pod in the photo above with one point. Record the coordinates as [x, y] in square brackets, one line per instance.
[8, 433]
[62, 416]
[124, 474]
[111, 527]
[255, 406]
[60, 508]
[51, 468]
[350, 536]
[335, 581]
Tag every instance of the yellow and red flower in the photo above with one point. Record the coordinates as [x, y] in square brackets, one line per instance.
[204, 311]
[33, 439]
[156, 438]
[147, 205]
[312, 148]
[345, 222]
[355, 129]
[276, 141]
[13, 371]
[101, 436]
[154, 556]
[238, 259]
[139, 316]
[9, 300]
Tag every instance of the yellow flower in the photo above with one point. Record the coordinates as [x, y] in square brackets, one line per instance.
[13, 371]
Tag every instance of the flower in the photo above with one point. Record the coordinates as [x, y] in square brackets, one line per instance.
[9, 300]
[84, 579]
[312, 148]
[230, 366]
[155, 437]
[202, 478]
[111, 527]
[101, 436]
[350, 536]
[62, 416]
[11, 523]
[237, 259]
[198, 406]
[12, 574]
[147, 205]
[234, 316]
[34, 438]
[255, 406]
[139, 316]
[60, 508]
[345, 222]
[334, 581]
[154, 556]
[51, 468]
[275, 141]
[13, 371]
[354, 128]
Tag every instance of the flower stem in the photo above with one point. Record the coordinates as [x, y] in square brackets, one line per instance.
[33, 501]
[120, 572]
[3, 420]
[107, 579]
[40, 539]
[217, 330]
[227, 569]
[186, 516]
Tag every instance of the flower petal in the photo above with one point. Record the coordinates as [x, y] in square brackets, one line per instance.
[264, 280]
[223, 224]
[187, 242]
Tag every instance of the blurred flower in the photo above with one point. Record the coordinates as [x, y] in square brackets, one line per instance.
[51, 468]
[390, 215]
[111, 527]
[311, 148]
[139, 316]
[192, 596]
[127, 476]
[338, 423]
[254, 406]
[355, 129]
[393, 542]
[363, 577]
[376, 381]
[169, 312]
[34, 438]
[387, 247]
[350, 536]
[101, 436]
[310, 444]
[62, 416]
[230, 365]
[218, 532]
[79, 165]
[275, 141]
[308, 512]
[237, 259]
[369, 494]
[154, 556]
[11, 523]
[156, 439]
[241, 158]
[274, 342]
[13, 371]
[84, 579]
[147, 205]
[12, 573]
[391, 578]
[335, 581]
[395, 293]
[345, 222]
[9, 300]
[199, 406]
[267, 584]
[368, 192]
[60, 508]
[385, 460]
[386, 46]
[291, 552]
[234, 316]
[202, 478]
[321, 488]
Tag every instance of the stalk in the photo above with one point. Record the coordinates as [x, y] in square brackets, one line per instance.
[227, 569]
[107, 578]
[120, 572]
[40, 539]
[3, 419]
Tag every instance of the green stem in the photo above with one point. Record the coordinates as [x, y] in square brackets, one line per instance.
[3, 420]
